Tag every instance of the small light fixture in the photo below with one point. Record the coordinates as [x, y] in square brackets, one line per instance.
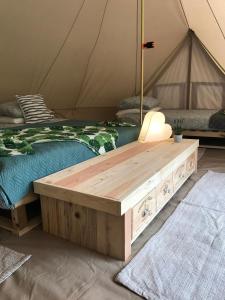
[149, 45]
[154, 128]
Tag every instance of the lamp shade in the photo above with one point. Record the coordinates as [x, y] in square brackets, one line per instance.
[154, 128]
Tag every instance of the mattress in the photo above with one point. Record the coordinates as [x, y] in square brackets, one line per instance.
[194, 119]
[7, 125]
[11, 125]
[17, 173]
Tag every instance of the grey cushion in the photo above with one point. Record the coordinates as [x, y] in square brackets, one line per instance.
[9, 120]
[134, 102]
[11, 109]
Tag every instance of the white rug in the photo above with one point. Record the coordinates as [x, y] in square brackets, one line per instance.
[10, 261]
[185, 260]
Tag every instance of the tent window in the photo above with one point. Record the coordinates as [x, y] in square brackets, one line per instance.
[208, 95]
[171, 95]
[190, 80]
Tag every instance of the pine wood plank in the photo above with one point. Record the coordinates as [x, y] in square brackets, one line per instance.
[107, 178]
[95, 230]
[17, 222]
[31, 197]
[19, 217]
[99, 204]
[204, 133]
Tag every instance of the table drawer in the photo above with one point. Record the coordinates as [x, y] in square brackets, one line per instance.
[164, 191]
[191, 164]
[179, 176]
[143, 211]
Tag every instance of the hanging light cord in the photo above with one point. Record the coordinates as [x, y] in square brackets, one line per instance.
[62, 46]
[214, 15]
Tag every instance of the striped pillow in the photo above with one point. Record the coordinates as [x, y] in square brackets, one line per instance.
[34, 109]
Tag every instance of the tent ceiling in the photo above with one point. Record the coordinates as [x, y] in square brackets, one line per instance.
[207, 19]
[83, 53]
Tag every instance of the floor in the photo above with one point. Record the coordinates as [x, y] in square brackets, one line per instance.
[60, 270]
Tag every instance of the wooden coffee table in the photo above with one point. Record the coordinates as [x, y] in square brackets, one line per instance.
[106, 202]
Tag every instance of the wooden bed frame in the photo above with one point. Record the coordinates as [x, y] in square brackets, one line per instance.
[206, 134]
[17, 220]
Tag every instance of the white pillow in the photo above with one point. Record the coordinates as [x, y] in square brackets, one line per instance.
[134, 102]
[157, 108]
[10, 109]
[136, 111]
[8, 120]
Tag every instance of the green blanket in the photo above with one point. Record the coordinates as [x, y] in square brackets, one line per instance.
[99, 139]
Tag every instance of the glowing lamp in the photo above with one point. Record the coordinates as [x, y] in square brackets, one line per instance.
[154, 128]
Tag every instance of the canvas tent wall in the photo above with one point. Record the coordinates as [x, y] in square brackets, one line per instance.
[207, 19]
[84, 53]
[189, 79]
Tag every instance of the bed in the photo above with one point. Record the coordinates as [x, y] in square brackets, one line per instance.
[18, 172]
[195, 119]
[192, 119]
[207, 125]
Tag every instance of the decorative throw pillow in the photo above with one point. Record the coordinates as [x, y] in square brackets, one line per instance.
[34, 109]
[11, 109]
[134, 102]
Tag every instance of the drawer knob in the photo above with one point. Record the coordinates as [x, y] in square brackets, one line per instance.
[166, 190]
[77, 215]
[146, 212]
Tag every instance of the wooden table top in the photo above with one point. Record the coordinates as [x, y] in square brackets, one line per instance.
[115, 175]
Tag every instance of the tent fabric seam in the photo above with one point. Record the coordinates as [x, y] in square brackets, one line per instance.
[61, 47]
[92, 52]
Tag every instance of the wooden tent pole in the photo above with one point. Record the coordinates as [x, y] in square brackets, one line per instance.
[142, 60]
[188, 99]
